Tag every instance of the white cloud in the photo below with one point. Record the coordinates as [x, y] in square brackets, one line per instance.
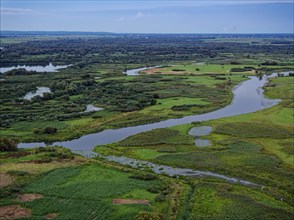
[15, 11]
[138, 16]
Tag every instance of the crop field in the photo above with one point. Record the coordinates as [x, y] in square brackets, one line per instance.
[79, 190]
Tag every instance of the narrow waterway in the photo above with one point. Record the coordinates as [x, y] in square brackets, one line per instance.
[167, 170]
[135, 72]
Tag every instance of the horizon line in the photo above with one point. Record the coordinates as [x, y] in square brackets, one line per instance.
[110, 32]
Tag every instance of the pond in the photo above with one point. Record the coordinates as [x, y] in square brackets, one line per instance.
[199, 132]
[39, 92]
[92, 108]
[202, 142]
[48, 68]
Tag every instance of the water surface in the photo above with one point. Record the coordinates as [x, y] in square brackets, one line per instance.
[135, 72]
[202, 143]
[39, 92]
[200, 131]
[48, 68]
[92, 108]
[163, 169]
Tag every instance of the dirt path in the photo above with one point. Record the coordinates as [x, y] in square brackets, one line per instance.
[29, 197]
[130, 201]
[51, 216]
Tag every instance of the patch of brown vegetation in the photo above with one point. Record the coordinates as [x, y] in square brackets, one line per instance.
[29, 197]
[5, 179]
[14, 212]
[152, 71]
[38, 161]
[130, 201]
[160, 71]
[16, 154]
[51, 216]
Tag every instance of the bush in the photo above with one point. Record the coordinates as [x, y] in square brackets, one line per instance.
[7, 144]
[144, 177]
[160, 198]
[178, 70]
[50, 130]
[167, 150]
[37, 131]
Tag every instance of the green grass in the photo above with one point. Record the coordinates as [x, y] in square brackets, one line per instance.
[146, 154]
[165, 106]
[224, 201]
[253, 130]
[156, 137]
[212, 68]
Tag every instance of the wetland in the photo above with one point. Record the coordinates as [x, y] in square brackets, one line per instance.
[114, 121]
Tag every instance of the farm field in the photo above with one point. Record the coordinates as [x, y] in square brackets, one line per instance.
[52, 181]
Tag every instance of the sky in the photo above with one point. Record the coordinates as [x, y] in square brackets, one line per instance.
[149, 16]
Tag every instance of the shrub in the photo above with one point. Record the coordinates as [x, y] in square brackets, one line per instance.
[7, 144]
[178, 70]
[37, 131]
[143, 177]
[156, 96]
[167, 150]
[50, 130]
[160, 198]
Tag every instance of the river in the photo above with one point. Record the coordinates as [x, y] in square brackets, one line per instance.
[247, 97]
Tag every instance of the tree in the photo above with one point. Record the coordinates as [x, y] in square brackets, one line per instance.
[7, 144]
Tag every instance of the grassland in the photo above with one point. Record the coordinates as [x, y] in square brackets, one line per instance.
[255, 146]
[207, 68]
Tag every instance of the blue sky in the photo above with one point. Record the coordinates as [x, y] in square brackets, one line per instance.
[152, 16]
